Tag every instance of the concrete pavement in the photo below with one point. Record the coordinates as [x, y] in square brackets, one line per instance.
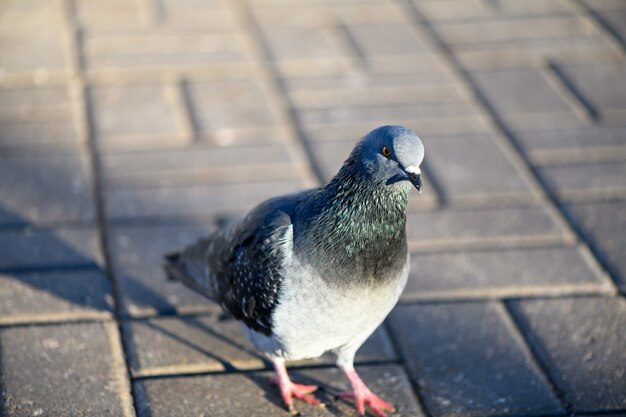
[130, 128]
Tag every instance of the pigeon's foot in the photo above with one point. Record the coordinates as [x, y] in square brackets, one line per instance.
[362, 396]
[289, 390]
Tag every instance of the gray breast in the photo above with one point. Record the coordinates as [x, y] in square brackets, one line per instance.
[314, 316]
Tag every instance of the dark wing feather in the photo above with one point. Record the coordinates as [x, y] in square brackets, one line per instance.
[241, 266]
[248, 281]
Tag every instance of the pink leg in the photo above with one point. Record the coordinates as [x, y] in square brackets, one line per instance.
[288, 389]
[363, 396]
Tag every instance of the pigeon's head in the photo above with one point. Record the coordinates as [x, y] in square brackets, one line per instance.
[391, 155]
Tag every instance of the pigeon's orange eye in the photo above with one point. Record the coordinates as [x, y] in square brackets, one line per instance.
[386, 151]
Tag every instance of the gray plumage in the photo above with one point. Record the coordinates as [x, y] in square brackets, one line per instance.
[318, 270]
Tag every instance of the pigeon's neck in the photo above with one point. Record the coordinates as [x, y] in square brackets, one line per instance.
[359, 228]
[369, 207]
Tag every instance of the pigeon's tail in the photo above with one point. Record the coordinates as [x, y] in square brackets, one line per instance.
[188, 267]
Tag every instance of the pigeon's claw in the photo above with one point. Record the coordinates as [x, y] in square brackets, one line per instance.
[289, 390]
[362, 397]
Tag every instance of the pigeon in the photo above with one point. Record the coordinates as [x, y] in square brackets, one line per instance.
[319, 270]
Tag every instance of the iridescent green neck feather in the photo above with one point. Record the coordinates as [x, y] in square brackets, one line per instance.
[358, 226]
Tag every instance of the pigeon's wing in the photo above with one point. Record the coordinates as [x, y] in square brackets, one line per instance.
[241, 266]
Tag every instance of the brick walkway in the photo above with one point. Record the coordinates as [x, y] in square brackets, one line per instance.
[129, 128]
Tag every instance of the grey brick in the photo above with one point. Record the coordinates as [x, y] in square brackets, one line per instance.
[584, 181]
[583, 342]
[54, 296]
[233, 111]
[193, 201]
[460, 9]
[471, 125]
[31, 42]
[132, 110]
[521, 90]
[250, 394]
[45, 189]
[485, 227]
[287, 45]
[137, 259]
[582, 137]
[475, 168]
[26, 6]
[498, 32]
[62, 370]
[49, 137]
[39, 248]
[602, 84]
[503, 273]
[605, 5]
[26, 104]
[384, 115]
[199, 165]
[162, 49]
[386, 40]
[37, 119]
[193, 15]
[359, 91]
[162, 346]
[605, 224]
[469, 361]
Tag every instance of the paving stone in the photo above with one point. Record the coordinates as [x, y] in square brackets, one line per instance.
[459, 9]
[169, 49]
[425, 128]
[378, 114]
[37, 119]
[194, 201]
[287, 45]
[40, 136]
[604, 223]
[62, 370]
[521, 90]
[31, 41]
[468, 360]
[162, 346]
[45, 103]
[586, 181]
[166, 18]
[500, 227]
[250, 394]
[132, 110]
[137, 263]
[500, 31]
[292, 15]
[40, 248]
[194, 15]
[45, 189]
[503, 273]
[475, 168]
[581, 137]
[386, 40]
[351, 81]
[54, 296]
[331, 92]
[199, 166]
[228, 111]
[26, 6]
[616, 20]
[515, 55]
[601, 83]
[583, 343]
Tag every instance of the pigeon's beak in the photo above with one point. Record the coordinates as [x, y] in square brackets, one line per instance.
[414, 174]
